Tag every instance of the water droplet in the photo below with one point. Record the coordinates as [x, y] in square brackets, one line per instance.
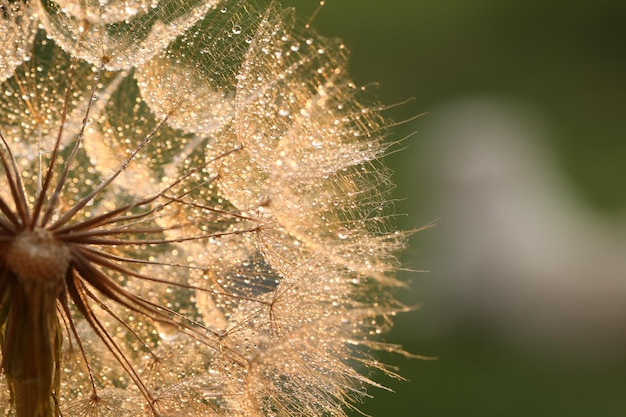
[167, 331]
[223, 9]
[236, 29]
[283, 112]
[343, 233]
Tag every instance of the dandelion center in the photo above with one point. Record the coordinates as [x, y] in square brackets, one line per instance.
[37, 255]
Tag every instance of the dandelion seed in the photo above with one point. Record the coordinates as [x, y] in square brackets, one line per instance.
[155, 258]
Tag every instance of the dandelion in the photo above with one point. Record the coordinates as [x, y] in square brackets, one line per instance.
[193, 220]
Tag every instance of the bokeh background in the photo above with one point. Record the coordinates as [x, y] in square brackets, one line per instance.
[521, 161]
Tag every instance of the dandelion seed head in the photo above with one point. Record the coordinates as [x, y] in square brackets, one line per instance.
[191, 196]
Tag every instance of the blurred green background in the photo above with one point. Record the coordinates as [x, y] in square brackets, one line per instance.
[567, 59]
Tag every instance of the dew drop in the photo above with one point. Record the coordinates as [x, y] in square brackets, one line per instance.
[343, 233]
[283, 112]
[166, 331]
[236, 29]
[131, 11]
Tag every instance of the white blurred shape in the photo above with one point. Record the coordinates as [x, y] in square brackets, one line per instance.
[518, 253]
